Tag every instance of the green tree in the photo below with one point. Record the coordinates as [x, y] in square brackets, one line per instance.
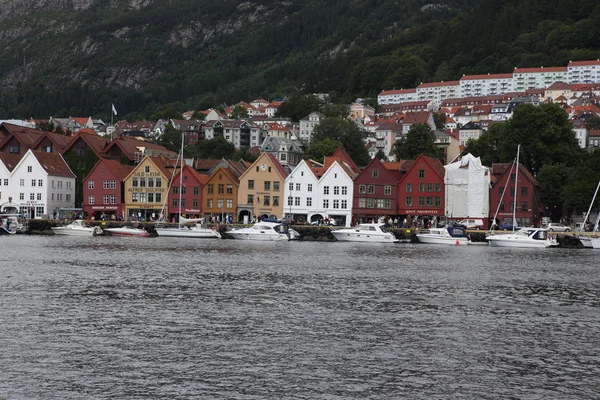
[217, 148]
[166, 113]
[334, 110]
[593, 123]
[381, 155]
[299, 106]
[323, 148]
[239, 112]
[347, 133]
[439, 118]
[420, 139]
[199, 116]
[171, 138]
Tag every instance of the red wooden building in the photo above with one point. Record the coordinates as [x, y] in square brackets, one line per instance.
[421, 190]
[375, 192]
[529, 209]
[190, 191]
[103, 189]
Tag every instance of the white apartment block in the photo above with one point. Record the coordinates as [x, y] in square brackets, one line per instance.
[308, 123]
[397, 96]
[241, 133]
[485, 85]
[438, 91]
[535, 78]
[584, 71]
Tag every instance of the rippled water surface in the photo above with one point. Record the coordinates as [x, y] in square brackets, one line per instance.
[166, 318]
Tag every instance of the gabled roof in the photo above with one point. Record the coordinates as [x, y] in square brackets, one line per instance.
[119, 170]
[419, 117]
[434, 163]
[129, 145]
[377, 163]
[559, 86]
[206, 164]
[60, 141]
[273, 160]
[53, 163]
[390, 126]
[9, 160]
[227, 171]
[94, 142]
[341, 155]
[201, 178]
[501, 169]
[26, 136]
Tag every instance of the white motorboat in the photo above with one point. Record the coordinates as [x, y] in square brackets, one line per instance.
[265, 231]
[449, 235]
[77, 228]
[595, 242]
[200, 230]
[376, 233]
[526, 237]
[128, 231]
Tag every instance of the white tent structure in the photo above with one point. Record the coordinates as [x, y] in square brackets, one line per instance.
[467, 188]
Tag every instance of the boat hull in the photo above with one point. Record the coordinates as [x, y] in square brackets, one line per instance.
[73, 232]
[423, 238]
[127, 232]
[343, 236]
[189, 233]
[595, 243]
[511, 242]
[586, 242]
[264, 237]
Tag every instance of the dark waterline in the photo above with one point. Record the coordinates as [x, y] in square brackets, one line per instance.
[178, 318]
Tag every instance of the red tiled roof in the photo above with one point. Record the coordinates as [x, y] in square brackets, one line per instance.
[10, 160]
[119, 170]
[559, 86]
[437, 84]
[206, 163]
[583, 63]
[488, 76]
[499, 169]
[401, 91]
[53, 163]
[594, 133]
[541, 69]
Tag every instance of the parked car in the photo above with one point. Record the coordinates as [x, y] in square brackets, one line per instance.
[507, 226]
[557, 227]
[472, 223]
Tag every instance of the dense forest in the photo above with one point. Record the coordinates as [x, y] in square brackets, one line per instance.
[196, 54]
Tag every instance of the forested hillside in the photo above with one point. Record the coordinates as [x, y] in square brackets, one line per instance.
[77, 57]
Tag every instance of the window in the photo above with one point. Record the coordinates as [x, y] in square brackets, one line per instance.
[105, 184]
[221, 188]
[344, 204]
[196, 191]
[325, 203]
[142, 197]
[438, 201]
[147, 169]
[362, 188]
[142, 182]
[298, 186]
[106, 199]
[325, 189]
[157, 198]
[309, 202]
[371, 189]
[250, 199]
[276, 187]
[210, 188]
[91, 184]
[182, 202]
[375, 173]
[268, 185]
[309, 186]
[291, 186]
[438, 187]
[409, 187]
[336, 190]
[134, 182]
[150, 183]
[6, 182]
[524, 206]
[362, 202]
[275, 201]
[183, 189]
[370, 203]
[387, 190]
[290, 200]
[336, 203]
[250, 183]
[220, 203]
[430, 187]
[229, 189]
[421, 173]
[266, 200]
[21, 182]
[29, 168]
[421, 200]
[33, 182]
[500, 191]
[296, 201]
[501, 206]
[421, 187]
[408, 201]
[229, 203]
[158, 182]
[134, 197]
[512, 191]
[195, 203]
[13, 149]
[344, 190]
[209, 203]
[39, 196]
[91, 199]
[523, 190]
[175, 189]
[283, 156]
[175, 203]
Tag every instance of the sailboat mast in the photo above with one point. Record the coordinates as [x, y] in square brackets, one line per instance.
[590, 208]
[516, 189]
[180, 177]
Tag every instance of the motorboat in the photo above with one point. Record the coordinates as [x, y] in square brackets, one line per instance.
[376, 233]
[265, 231]
[128, 231]
[77, 228]
[11, 224]
[525, 237]
[448, 235]
[183, 229]
[595, 242]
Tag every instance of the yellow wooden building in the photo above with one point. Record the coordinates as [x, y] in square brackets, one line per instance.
[146, 189]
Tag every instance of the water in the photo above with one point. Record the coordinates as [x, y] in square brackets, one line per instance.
[166, 318]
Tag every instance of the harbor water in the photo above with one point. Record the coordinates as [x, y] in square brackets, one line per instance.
[170, 318]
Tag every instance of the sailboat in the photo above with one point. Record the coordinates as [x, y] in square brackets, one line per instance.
[525, 237]
[586, 241]
[200, 230]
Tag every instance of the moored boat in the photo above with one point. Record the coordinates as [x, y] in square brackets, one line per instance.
[448, 235]
[376, 233]
[265, 231]
[77, 228]
[526, 237]
[128, 231]
[200, 230]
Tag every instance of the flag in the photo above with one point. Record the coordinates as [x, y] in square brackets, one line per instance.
[114, 110]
